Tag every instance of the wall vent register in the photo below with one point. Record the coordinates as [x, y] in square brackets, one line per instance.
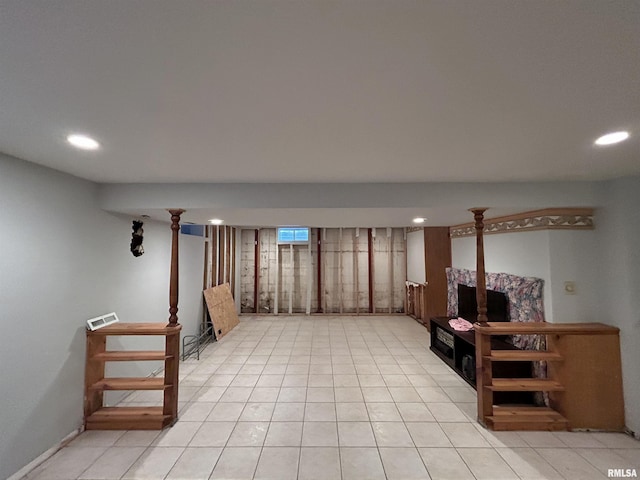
[102, 321]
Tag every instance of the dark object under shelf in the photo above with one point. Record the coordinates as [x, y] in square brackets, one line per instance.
[458, 350]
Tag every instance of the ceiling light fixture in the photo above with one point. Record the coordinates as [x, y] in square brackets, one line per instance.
[83, 142]
[216, 221]
[611, 138]
[419, 220]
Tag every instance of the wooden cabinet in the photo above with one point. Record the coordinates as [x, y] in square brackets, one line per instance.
[583, 381]
[437, 254]
[98, 417]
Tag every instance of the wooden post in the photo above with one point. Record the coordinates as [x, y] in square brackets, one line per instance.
[370, 262]
[481, 285]
[256, 278]
[319, 282]
[173, 280]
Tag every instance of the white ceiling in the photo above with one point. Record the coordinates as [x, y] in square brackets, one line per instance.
[322, 91]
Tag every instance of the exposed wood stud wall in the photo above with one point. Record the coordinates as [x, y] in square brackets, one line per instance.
[320, 270]
[256, 279]
[370, 255]
[333, 274]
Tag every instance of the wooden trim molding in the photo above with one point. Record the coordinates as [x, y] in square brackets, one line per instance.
[414, 229]
[547, 219]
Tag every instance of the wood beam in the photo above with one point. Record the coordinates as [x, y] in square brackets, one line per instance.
[256, 262]
[481, 284]
[173, 279]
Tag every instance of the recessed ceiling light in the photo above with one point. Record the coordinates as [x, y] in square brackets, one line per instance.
[611, 138]
[82, 141]
[419, 220]
[216, 221]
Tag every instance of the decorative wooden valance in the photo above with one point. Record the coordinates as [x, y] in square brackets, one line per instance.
[547, 219]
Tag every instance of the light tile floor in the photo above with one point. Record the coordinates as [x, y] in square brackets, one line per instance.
[330, 398]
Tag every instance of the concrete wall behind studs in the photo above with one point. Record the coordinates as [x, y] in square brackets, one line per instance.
[344, 272]
[247, 270]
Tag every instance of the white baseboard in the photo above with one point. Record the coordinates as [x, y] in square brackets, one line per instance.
[46, 455]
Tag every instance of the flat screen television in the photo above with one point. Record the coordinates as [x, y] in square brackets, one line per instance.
[497, 305]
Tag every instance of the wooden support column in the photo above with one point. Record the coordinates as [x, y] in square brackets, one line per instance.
[173, 281]
[219, 256]
[256, 278]
[370, 253]
[227, 255]
[340, 286]
[481, 284]
[390, 266]
[320, 310]
[356, 240]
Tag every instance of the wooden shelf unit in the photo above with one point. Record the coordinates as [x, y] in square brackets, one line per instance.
[584, 377]
[98, 417]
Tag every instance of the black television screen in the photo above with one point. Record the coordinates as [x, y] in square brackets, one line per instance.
[497, 305]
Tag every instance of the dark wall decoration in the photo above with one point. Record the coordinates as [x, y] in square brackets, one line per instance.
[136, 238]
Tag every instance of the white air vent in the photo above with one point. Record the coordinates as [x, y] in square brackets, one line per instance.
[102, 321]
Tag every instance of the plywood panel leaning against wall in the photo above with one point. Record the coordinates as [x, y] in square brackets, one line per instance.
[221, 308]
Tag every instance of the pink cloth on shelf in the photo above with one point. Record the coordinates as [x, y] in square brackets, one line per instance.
[460, 324]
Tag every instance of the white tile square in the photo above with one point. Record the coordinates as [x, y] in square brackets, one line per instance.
[320, 434]
[236, 394]
[284, 434]
[445, 464]
[528, 464]
[226, 412]
[212, 434]
[320, 412]
[392, 434]
[376, 394]
[288, 412]
[236, 463]
[348, 394]
[195, 464]
[403, 464]
[269, 380]
[243, 380]
[464, 435]
[383, 412]
[428, 434]
[359, 463]
[248, 434]
[264, 394]
[319, 463]
[179, 435]
[113, 463]
[355, 434]
[292, 394]
[320, 394]
[352, 412]
[195, 412]
[257, 412]
[415, 412]
[446, 412]
[278, 463]
[486, 464]
[154, 463]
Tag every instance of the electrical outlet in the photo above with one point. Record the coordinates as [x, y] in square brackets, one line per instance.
[570, 288]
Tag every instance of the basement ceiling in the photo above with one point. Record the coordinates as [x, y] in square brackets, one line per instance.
[279, 91]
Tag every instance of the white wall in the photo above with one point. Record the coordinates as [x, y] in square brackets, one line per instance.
[555, 256]
[618, 263]
[523, 253]
[62, 261]
[415, 257]
[572, 254]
